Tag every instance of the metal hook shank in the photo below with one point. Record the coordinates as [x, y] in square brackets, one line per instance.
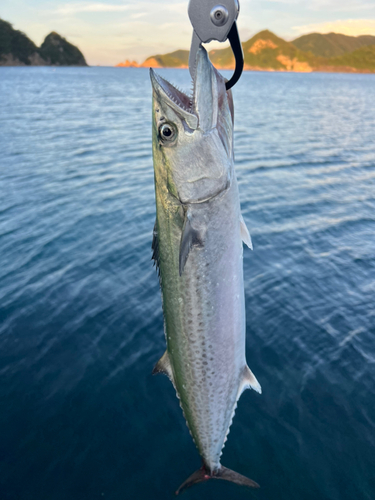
[235, 43]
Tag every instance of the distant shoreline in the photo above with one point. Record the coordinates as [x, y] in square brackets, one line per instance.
[329, 53]
[347, 71]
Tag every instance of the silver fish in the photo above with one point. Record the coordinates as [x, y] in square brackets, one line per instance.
[198, 250]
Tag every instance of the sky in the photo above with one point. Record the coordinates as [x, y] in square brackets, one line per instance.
[111, 31]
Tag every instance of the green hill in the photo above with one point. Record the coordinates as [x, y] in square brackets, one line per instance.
[361, 60]
[264, 51]
[176, 59]
[16, 49]
[15, 46]
[58, 52]
[268, 52]
[332, 44]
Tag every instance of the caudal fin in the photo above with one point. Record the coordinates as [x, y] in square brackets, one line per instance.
[203, 474]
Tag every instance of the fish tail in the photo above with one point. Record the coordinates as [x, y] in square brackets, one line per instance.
[203, 474]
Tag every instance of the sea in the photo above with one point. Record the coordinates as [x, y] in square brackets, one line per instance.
[81, 326]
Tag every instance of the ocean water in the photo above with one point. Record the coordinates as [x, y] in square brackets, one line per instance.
[81, 324]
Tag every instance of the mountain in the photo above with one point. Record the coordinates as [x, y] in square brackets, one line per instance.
[16, 49]
[59, 52]
[361, 60]
[176, 59]
[264, 51]
[267, 52]
[332, 44]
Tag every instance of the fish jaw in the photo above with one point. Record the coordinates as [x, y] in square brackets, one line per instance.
[197, 164]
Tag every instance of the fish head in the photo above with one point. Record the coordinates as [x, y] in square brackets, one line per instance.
[193, 136]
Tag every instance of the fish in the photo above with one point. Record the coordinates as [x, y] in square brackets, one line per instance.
[198, 252]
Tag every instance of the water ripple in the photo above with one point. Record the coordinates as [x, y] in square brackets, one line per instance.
[81, 322]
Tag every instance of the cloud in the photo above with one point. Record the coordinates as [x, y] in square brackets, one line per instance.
[341, 5]
[91, 7]
[144, 7]
[352, 27]
[332, 5]
[138, 15]
[287, 2]
[180, 8]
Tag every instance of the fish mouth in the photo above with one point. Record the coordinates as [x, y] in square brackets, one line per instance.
[201, 108]
[183, 101]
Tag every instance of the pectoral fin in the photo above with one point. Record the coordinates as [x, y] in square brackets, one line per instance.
[190, 237]
[245, 235]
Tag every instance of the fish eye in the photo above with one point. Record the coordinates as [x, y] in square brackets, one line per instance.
[167, 132]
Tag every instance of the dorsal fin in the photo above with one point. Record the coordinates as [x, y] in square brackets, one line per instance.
[249, 381]
[164, 366]
[245, 235]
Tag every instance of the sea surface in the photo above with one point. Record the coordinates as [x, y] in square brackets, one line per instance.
[81, 327]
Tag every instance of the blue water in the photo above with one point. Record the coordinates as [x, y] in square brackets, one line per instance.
[80, 312]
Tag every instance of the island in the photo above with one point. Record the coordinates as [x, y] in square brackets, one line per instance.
[16, 49]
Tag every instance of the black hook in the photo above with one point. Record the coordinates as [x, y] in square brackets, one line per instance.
[234, 38]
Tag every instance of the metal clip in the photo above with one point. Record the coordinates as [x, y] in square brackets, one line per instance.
[213, 21]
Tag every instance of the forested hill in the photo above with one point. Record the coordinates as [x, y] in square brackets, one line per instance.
[332, 44]
[268, 52]
[16, 49]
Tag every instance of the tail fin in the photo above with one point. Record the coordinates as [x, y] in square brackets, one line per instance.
[203, 474]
